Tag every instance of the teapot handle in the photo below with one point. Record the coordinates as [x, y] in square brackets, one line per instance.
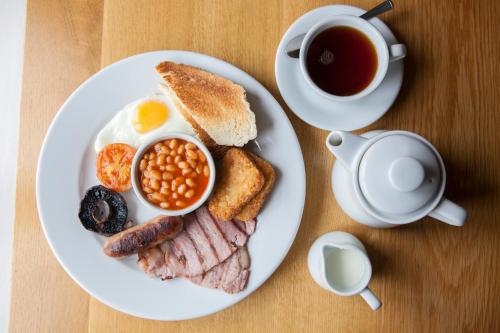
[450, 213]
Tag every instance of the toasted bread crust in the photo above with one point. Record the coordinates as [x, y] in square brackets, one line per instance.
[200, 133]
[214, 106]
[216, 150]
[253, 208]
[238, 181]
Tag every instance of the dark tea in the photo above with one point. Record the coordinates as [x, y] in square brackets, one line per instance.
[341, 61]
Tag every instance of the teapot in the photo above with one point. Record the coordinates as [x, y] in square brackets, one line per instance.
[387, 178]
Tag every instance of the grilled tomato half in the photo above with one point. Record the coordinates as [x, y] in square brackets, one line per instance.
[113, 166]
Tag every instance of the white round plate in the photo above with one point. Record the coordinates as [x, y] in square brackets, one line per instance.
[319, 111]
[66, 170]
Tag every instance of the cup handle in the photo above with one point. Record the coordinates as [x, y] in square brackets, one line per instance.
[397, 52]
[450, 213]
[371, 299]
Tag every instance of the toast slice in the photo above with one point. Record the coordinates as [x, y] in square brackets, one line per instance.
[253, 208]
[238, 181]
[200, 133]
[215, 107]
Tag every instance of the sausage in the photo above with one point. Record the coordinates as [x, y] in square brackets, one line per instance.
[143, 236]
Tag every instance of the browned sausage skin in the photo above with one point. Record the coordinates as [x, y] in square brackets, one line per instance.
[143, 236]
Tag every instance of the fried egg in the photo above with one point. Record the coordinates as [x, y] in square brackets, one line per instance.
[141, 120]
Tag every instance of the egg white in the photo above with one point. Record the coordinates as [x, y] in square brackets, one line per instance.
[120, 129]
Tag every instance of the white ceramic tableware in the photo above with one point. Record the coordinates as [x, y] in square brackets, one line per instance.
[136, 181]
[322, 112]
[389, 178]
[385, 53]
[66, 169]
[338, 262]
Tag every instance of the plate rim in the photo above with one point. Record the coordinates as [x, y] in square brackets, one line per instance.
[301, 185]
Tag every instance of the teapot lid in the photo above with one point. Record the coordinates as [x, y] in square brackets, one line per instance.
[400, 175]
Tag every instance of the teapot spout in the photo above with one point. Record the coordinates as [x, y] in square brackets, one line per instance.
[345, 146]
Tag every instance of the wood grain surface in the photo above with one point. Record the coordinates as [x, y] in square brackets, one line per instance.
[430, 276]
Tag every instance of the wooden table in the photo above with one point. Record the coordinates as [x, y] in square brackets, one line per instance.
[430, 276]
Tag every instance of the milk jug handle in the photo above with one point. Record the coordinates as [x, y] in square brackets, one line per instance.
[371, 299]
[450, 213]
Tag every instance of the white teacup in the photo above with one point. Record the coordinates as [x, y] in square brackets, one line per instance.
[338, 262]
[385, 53]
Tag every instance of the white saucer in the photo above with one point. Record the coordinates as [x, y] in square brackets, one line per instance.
[319, 111]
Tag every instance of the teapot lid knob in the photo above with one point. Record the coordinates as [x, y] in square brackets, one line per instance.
[406, 174]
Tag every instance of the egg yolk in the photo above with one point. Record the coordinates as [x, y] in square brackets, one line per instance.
[149, 115]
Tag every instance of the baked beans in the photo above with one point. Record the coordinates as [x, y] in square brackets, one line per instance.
[174, 174]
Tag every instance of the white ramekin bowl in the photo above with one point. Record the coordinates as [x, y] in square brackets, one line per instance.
[136, 185]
